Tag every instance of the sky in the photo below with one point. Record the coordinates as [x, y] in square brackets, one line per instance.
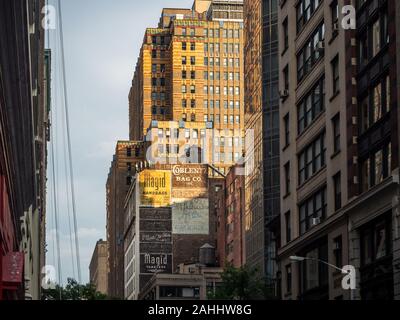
[102, 39]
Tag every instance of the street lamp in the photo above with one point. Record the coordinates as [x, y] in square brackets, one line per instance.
[300, 259]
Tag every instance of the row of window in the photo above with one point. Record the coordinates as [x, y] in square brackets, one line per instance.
[226, 33]
[231, 62]
[226, 119]
[304, 11]
[216, 103]
[227, 76]
[226, 90]
[227, 48]
[192, 46]
[311, 52]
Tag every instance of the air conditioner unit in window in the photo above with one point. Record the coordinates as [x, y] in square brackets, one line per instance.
[316, 221]
[284, 93]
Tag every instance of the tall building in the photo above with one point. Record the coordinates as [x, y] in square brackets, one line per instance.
[190, 69]
[262, 121]
[128, 154]
[98, 267]
[339, 155]
[23, 143]
[231, 243]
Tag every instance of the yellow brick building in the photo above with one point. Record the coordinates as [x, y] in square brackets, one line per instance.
[190, 70]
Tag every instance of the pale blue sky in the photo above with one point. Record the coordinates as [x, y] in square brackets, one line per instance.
[102, 41]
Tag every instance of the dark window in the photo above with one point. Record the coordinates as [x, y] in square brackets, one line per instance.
[311, 106]
[154, 54]
[184, 74]
[193, 46]
[288, 227]
[129, 166]
[375, 104]
[376, 242]
[314, 274]
[162, 68]
[286, 77]
[289, 279]
[287, 178]
[193, 103]
[336, 133]
[184, 60]
[313, 211]
[184, 103]
[183, 45]
[192, 61]
[285, 28]
[376, 167]
[193, 75]
[334, 16]
[337, 191]
[287, 129]
[311, 52]
[338, 251]
[335, 75]
[312, 159]
[129, 152]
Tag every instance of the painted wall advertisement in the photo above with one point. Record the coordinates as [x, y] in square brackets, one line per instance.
[155, 240]
[155, 188]
[190, 217]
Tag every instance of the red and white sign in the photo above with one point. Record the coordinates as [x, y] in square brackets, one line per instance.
[13, 268]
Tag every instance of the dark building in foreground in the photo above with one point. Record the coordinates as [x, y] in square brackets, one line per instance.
[262, 125]
[339, 149]
[24, 107]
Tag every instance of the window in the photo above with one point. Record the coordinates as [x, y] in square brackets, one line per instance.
[205, 73]
[184, 103]
[337, 189]
[162, 68]
[205, 61]
[154, 54]
[129, 152]
[335, 75]
[286, 77]
[184, 60]
[193, 103]
[184, 75]
[287, 178]
[335, 16]
[193, 46]
[313, 273]
[311, 52]
[192, 89]
[289, 279]
[313, 211]
[312, 159]
[288, 224]
[376, 167]
[287, 129]
[153, 68]
[192, 61]
[205, 47]
[285, 28]
[183, 46]
[336, 133]
[376, 241]
[311, 106]
[304, 12]
[192, 32]
[193, 75]
[375, 105]
[338, 251]
[184, 88]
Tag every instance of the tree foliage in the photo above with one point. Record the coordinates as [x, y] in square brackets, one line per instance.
[73, 291]
[241, 283]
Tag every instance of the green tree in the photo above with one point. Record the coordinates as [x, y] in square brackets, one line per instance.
[73, 291]
[241, 284]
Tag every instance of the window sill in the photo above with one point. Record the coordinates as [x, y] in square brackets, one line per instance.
[287, 195]
[335, 154]
[334, 96]
[334, 36]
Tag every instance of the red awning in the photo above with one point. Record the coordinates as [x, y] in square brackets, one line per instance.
[13, 268]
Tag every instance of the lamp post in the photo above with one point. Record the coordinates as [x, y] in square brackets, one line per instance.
[300, 259]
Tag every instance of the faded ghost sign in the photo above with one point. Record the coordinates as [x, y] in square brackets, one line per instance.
[190, 217]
